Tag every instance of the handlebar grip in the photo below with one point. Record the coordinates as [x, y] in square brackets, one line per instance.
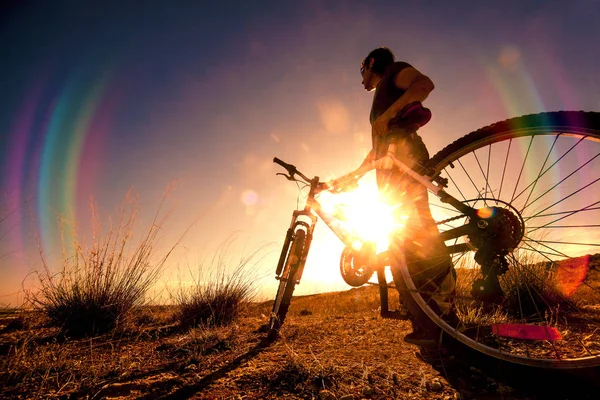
[289, 167]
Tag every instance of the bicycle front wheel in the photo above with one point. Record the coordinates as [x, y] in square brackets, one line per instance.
[534, 180]
[287, 283]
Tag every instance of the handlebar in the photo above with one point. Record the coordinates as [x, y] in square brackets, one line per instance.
[347, 182]
[289, 167]
[292, 170]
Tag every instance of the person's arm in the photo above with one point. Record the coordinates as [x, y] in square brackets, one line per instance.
[417, 86]
[370, 157]
[351, 182]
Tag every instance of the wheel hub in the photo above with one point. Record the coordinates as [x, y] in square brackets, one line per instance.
[498, 230]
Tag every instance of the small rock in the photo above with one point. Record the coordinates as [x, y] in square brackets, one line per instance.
[326, 395]
[368, 391]
[435, 386]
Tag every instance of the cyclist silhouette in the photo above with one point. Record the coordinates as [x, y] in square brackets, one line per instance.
[397, 113]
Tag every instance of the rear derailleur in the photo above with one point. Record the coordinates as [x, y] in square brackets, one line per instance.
[488, 289]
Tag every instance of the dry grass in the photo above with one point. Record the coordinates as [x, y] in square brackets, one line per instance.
[324, 352]
[534, 288]
[219, 290]
[97, 285]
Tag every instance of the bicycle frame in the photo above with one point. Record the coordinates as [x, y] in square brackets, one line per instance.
[293, 258]
[313, 209]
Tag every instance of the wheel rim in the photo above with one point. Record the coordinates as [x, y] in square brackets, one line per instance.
[549, 179]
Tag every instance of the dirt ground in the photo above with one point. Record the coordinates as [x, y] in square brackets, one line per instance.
[332, 346]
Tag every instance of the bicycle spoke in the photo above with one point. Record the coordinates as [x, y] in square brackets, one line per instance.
[548, 226]
[568, 243]
[533, 300]
[554, 263]
[470, 179]
[534, 276]
[455, 185]
[430, 267]
[543, 253]
[521, 171]
[454, 210]
[540, 174]
[457, 259]
[561, 181]
[504, 169]
[485, 177]
[550, 167]
[527, 240]
[570, 212]
[487, 174]
[570, 195]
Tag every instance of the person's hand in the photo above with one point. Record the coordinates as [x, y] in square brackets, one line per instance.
[335, 187]
[322, 186]
[349, 185]
[381, 125]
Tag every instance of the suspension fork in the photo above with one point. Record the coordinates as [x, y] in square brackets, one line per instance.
[296, 224]
[310, 227]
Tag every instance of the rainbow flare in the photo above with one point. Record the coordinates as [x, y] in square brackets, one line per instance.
[519, 95]
[56, 146]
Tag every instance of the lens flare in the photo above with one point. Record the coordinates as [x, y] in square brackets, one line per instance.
[486, 212]
[571, 273]
[364, 214]
[249, 197]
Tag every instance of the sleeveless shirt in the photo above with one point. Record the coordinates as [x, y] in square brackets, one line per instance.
[385, 95]
[387, 92]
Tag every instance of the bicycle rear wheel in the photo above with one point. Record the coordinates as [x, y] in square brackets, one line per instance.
[537, 178]
[287, 283]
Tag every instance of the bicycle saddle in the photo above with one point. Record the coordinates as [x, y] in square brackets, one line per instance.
[412, 115]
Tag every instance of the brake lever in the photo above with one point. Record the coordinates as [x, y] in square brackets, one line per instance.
[288, 177]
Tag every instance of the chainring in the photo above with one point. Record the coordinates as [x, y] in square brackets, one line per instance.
[356, 265]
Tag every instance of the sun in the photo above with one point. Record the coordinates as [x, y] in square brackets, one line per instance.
[364, 214]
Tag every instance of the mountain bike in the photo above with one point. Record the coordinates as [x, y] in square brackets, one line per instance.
[518, 204]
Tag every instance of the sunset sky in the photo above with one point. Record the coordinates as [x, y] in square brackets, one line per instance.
[100, 97]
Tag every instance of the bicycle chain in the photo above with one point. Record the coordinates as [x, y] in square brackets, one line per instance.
[451, 219]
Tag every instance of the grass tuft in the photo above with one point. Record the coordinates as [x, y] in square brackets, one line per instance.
[218, 291]
[98, 285]
[532, 290]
